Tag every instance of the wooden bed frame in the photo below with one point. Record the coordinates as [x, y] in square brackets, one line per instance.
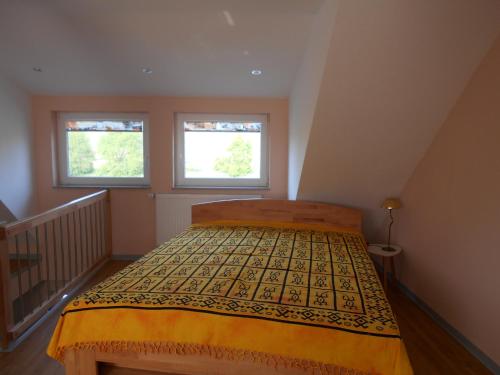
[277, 210]
[83, 362]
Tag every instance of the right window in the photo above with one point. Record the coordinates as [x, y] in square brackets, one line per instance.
[219, 150]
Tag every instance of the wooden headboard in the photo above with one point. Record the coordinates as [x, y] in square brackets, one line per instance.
[277, 210]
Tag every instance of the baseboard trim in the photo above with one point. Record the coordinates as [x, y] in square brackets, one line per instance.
[132, 257]
[452, 331]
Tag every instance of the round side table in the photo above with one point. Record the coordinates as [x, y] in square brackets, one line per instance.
[387, 257]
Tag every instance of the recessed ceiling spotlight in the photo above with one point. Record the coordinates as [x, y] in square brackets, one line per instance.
[147, 70]
[37, 69]
[256, 72]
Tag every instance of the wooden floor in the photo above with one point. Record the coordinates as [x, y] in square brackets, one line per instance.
[431, 349]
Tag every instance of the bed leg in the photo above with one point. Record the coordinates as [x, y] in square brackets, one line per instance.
[384, 262]
[80, 362]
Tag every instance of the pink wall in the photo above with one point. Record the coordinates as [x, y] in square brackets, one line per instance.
[133, 211]
[449, 226]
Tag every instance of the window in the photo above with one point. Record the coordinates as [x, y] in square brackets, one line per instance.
[221, 150]
[103, 149]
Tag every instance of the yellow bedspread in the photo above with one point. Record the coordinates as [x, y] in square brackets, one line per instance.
[286, 295]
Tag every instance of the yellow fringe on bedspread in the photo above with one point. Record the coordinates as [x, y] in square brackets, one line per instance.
[269, 360]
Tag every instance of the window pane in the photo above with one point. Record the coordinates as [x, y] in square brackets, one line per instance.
[101, 148]
[222, 149]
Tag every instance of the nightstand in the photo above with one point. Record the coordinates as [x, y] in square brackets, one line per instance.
[387, 257]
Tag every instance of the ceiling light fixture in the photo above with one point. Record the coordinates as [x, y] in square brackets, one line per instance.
[147, 70]
[37, 69]
[256, 72]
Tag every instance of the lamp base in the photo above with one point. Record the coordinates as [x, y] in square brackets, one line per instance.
[389, 249]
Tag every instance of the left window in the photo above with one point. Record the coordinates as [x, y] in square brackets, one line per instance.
[103, 149]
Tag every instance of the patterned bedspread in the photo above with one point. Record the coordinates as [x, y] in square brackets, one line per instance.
[299, 277]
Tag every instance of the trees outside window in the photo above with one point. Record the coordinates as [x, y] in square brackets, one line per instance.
[81, 155]
[121, 154]
[238, 162]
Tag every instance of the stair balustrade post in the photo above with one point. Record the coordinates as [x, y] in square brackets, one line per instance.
[6, 320]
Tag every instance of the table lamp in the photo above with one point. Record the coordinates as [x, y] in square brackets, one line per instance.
[390, 204]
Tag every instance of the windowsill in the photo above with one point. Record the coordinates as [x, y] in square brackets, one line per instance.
[183, 187]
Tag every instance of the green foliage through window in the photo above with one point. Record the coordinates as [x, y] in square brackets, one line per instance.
[238, 162]
[105, 154]
[123, 155]
[81, 155]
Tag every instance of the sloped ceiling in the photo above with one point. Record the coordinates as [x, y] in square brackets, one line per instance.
[305, 91]
[393, 71]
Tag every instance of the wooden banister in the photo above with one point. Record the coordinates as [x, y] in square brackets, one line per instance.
[23, 225]
[44, 256]
[108, 225]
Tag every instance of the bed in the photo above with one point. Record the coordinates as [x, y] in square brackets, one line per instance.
[253, 287]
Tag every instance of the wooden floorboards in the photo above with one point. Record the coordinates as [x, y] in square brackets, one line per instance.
[431, 349]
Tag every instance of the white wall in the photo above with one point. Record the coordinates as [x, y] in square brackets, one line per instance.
[304, 95]
[16, 151]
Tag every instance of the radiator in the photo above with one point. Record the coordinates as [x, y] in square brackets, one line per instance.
[173, 211]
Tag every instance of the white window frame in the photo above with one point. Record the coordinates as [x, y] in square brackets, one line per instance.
[62, 142]
[181, 181]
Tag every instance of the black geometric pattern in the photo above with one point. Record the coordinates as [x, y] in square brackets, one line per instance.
[295, 276]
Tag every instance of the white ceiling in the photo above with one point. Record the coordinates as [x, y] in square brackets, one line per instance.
[100, 47]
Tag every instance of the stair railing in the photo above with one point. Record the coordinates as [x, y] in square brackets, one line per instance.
[44, 256]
